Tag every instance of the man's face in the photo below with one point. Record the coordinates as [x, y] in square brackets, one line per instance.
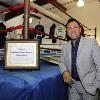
[73, 30]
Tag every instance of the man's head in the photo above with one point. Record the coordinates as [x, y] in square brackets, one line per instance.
[73, 29]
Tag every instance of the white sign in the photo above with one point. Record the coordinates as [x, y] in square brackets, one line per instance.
[21, 54]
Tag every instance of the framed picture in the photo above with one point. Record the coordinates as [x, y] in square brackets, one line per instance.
[22, 54]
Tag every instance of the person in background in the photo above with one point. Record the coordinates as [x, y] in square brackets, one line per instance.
[32, 35]
[80, 64]
[2, 35]
[52, 33]
[39, 36]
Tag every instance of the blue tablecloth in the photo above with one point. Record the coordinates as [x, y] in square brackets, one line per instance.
[44, 84]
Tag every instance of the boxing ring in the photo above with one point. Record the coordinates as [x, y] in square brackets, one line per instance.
[44, 84]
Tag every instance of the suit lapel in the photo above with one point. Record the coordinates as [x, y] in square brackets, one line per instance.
[78, 52]
[80, 46]
[69, 52]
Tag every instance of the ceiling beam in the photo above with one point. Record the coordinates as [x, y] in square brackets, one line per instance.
[57, 5]
[16, 13]
[13, 14]
[35, 16]
[4, 4]
[41, 2]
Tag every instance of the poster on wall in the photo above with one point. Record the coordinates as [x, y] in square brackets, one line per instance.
[21, 54]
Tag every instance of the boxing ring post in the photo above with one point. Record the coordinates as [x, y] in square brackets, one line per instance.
[26, 18]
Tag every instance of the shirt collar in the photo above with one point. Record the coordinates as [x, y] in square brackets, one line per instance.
[77, 42]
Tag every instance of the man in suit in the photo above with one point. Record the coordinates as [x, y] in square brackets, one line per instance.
[80, 64]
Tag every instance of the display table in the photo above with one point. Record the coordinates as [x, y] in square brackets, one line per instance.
[44, 84]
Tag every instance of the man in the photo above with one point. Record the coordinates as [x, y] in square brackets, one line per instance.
[80, 64]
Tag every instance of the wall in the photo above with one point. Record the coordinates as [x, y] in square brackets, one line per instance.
[14, 22]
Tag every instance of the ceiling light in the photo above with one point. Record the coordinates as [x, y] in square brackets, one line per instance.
[80, 3]
[30, 20]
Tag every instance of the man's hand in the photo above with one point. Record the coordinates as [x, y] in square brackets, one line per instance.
[67, 77]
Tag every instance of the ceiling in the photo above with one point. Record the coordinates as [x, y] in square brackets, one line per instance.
[67, 4]
[59, 7]
[4, 4]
